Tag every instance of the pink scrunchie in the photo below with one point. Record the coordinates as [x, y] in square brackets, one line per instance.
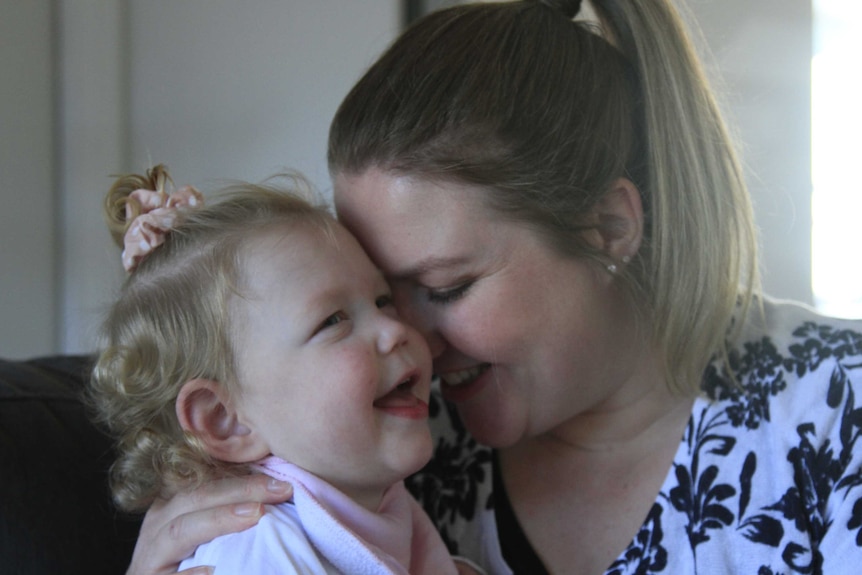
[157, 217]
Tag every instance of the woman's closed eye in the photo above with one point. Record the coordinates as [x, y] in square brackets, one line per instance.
[448, 295]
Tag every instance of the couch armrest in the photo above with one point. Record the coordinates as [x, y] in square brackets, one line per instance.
[56, 514]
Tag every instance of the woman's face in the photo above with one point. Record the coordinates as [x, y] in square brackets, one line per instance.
[523, 339]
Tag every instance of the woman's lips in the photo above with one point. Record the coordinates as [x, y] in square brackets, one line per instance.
[463, 384]
[456, 378]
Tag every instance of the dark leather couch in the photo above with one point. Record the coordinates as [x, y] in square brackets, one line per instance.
[56, 515]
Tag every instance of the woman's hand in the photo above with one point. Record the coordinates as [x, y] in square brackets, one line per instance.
[172, 529]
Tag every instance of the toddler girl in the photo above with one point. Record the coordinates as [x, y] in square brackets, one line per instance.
[255, 335]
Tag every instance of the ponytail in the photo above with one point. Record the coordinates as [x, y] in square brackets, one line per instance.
[117, 199]
[703, 261]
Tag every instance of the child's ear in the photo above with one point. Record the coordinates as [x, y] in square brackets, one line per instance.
[620, 221]
[205, 410]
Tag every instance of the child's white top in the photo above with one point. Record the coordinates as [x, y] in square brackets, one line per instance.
[324, 531]
[277, 544]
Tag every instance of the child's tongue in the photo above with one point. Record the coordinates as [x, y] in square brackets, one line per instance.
[398, 397]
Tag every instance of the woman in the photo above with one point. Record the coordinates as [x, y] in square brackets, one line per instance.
[559, 210]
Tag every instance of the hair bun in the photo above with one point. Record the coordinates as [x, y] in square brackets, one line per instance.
[569, 8]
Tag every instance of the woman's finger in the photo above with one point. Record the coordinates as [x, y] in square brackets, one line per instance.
[230, 491]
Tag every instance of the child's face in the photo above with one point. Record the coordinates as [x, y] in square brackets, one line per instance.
[329, 376]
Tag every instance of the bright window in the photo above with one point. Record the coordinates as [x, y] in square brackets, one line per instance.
[837, 157]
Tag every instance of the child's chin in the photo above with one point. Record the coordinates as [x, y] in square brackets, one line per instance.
[422, 455]
[413, 457]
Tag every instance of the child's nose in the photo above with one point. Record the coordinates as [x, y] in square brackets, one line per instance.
[392, 335]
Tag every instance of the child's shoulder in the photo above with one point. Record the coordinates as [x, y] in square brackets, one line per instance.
[277, 544]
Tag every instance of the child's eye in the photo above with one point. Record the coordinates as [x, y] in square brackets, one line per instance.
[383, 301]
[444, 296]
[332, 320]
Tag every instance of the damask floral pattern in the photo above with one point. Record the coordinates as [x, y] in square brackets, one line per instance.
[767, 479]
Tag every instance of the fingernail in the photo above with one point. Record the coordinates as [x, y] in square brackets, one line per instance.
[246, 509]
[276, 486]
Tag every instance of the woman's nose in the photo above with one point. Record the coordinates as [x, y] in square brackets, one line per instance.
[435, 341]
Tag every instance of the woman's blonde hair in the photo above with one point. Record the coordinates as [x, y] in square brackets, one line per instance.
[171, 323]
[544, 113]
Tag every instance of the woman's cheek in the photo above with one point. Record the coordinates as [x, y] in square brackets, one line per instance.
[479, 323]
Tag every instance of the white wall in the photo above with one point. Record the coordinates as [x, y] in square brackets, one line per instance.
[763, 49]
[27, 209]
[227, 90]
[221, 91]
[92, 143]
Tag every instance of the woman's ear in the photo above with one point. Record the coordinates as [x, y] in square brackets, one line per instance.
[205, 410]
[620, 219]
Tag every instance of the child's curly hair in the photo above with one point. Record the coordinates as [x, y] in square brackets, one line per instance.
[172, 323]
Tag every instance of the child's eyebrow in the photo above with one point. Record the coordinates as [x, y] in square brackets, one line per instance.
[322, 297]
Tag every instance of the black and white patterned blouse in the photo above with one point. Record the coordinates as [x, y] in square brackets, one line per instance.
[767, 479]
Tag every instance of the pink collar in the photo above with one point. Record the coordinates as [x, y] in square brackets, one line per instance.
[396, 539]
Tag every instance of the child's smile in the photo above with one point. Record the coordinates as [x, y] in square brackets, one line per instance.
[402, 400]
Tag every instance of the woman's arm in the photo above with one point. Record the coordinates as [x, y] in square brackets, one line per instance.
[172, 529]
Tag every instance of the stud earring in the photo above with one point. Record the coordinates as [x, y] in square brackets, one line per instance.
[612, 268]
